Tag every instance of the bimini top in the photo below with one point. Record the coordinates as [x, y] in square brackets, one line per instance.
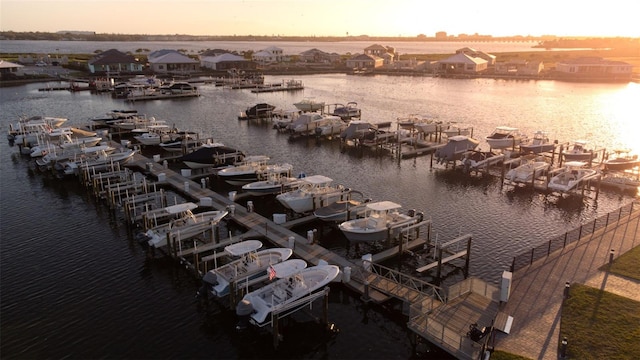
[180, 208]
[383, 206]
[287, 268]
[317, 179]
[243, 247]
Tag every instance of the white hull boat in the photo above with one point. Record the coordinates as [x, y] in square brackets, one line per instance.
[527, 171]
[102, 159]
[181, 218]
[380, 219]
[286, 293]
[579, 152]
[341, 210]
[307, 124]
[539, 143]
[455, 148]
[315, 192]
[276, 184]
[249, 263]
[573, 174]
[504, 137]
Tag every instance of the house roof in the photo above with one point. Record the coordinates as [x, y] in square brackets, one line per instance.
[313, 52]
[9, 65]
[224, 57]
[463, 58]
[170, 57]
[112, 56]
[376, 47]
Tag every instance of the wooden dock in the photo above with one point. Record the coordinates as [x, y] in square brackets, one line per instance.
[442, 316]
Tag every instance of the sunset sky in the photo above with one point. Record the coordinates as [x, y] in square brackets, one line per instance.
[323, 17]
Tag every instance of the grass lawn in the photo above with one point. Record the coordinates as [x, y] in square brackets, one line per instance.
[600, 325]
[627, 265]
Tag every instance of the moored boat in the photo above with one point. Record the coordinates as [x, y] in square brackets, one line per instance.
[504, 137]
[213, 155]
[578, 151]
[379, 220]
[249, 262]
[539, 143]
[286, 293]
[623, 160]
[315, 192]
[572, 174]
[455, 148]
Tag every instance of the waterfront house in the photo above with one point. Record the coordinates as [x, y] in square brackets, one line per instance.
[226, 62]
[270, 55]
[114, 62]
[9, 70]
[387, 53]
[172, 62]
[491, 59]
[318, 56]
[594, 68]
[519, 67]
[364, 61]
[461, 63]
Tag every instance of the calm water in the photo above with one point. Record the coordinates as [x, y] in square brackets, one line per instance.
[289, 48]
[75, 284]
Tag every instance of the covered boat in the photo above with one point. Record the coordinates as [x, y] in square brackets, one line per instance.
[455, 148]
[213, 155]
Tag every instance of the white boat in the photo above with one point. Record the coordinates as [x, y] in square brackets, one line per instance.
[308, 104]
[330, 126]
[455, 148]
[453, 129]
[307, 124]
[420, 123]
[359, 130]
[101, 159]
[528, 170]
[282, 118]
[248, 264]
[573, 173]
[539, 143]
[578, 151]
[275, 184]
[183, 140]
[380, 217]
[315, 192]
[213, 155]
[65, 142]
[181, 218]
[74, 154]
[504, 137]
[154, 135]
[623, 160]
[253, 168]
[341, 210]
[347, 112]
[286, 293]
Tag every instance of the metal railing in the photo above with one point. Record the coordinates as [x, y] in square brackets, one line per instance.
[560, 242]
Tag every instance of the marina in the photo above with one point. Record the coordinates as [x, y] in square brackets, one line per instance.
[129, 200]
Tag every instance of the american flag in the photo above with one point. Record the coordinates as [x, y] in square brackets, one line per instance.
[272, 273]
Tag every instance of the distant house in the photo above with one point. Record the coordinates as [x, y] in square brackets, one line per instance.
[9, 70]
[270, 55]
[364, 61]
[318, 56]
[461, 63]
[215, 52]
[114, 62]
[519, 67]
[594, 68]
[388, 53]
[226, 61]
[491, 59]
[172, 62]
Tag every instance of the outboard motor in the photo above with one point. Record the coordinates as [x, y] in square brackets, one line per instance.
[209, 280]
[244, 309]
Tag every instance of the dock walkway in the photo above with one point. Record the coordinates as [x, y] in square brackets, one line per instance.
[537, 290]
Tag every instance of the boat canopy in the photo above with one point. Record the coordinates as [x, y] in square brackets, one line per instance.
[383, 206]
[179, 208]
[243, 247]
[317, 179]
[287, 268]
